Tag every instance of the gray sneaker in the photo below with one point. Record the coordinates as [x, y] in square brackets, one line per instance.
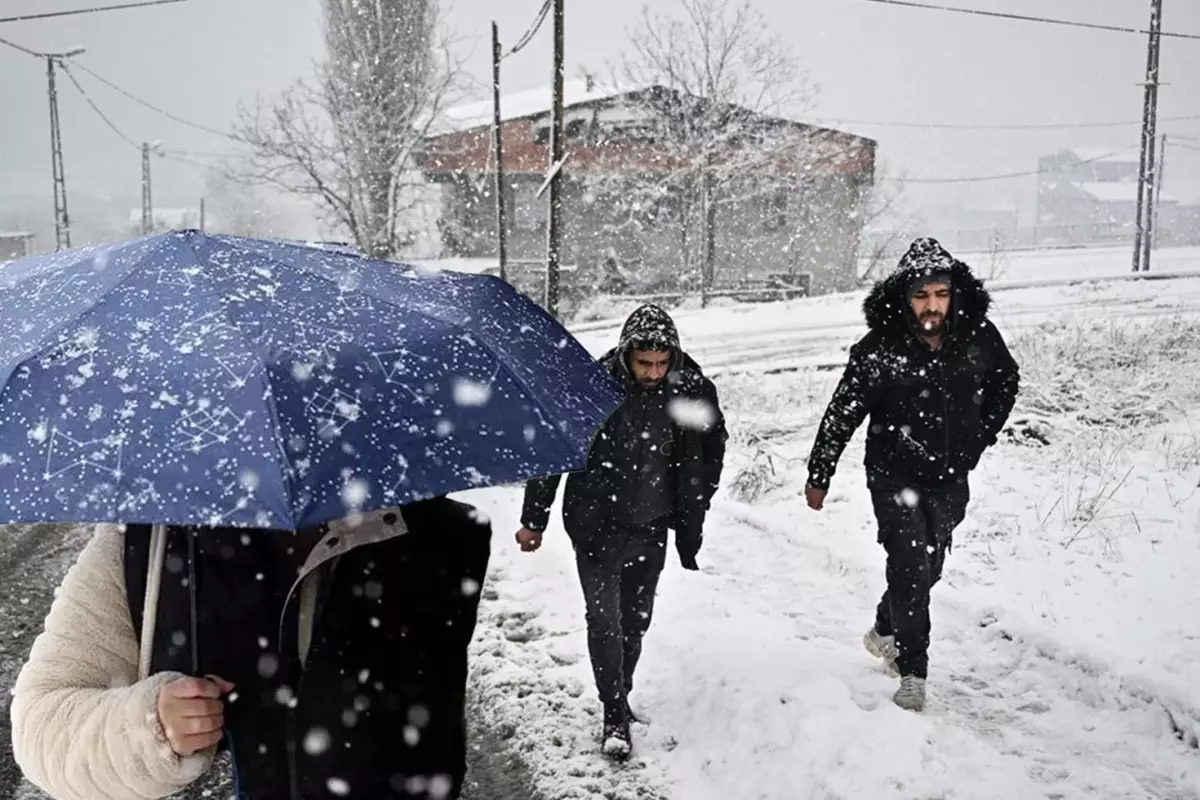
[883, 647]
[911, 694]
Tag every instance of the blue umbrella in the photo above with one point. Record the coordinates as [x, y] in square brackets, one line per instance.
[187, 379]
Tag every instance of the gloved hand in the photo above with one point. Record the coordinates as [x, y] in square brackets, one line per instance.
[688, 547]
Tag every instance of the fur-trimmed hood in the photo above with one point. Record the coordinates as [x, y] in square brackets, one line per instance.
[887, 308]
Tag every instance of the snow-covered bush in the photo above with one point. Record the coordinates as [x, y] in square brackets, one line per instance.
[1100, 391]
[1115, 374]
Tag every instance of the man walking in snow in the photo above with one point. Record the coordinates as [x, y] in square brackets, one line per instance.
[938, 383]
[654, 465]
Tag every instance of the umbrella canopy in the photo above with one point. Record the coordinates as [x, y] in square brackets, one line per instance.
[189, 379]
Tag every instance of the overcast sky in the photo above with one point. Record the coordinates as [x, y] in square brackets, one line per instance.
[872, 62]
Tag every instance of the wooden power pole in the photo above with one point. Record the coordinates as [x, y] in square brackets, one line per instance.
[1143, 225]
[554, 226]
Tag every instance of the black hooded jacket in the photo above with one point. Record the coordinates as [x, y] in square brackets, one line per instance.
[932, 412]
[613, 466]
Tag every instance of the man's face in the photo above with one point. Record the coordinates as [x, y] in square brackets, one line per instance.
[930, 305]
[649, 367]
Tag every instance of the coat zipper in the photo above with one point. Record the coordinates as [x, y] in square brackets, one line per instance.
[945, 417]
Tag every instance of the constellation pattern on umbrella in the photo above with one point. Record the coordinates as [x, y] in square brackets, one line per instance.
[334, 410]
[97, 454]
[318, 342]
[402, 362]
[193, 333]
[402, 464]
[239, 376]
[200, 428]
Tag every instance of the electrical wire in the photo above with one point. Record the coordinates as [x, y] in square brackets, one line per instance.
[96, 108]
[1023, 18]
[533, 29]
[997, 127]
[25, 50]
[155, 108]
[1001, 177]
[93, 10]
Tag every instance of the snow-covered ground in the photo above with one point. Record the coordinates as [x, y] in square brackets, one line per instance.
[1066, 649]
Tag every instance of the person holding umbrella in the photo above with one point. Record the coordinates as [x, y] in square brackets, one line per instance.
[268, 434]
[332, 661]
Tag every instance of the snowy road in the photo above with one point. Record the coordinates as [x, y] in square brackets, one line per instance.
[1064, 651]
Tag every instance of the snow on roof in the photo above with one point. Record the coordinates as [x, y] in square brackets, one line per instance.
[16, 234]
[1106, 154]
[1117, 192]
[530, 103]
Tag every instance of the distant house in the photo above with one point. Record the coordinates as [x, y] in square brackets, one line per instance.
[170, 219]
[1088, 196]
[16, 244]
[630, 209]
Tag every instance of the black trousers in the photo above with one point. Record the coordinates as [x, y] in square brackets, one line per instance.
[916, 528]
[619, 572]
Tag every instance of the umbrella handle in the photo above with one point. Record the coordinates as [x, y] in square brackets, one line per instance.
[158, 557]
[192, 602]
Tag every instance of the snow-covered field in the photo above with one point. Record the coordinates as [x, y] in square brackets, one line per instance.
[1066, 649]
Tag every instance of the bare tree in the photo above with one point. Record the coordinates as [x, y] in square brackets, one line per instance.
[887, 225]
[724, 90]
[238, 208]
[350, 140]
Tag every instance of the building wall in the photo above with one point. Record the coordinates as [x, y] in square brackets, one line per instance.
[811, 224]
[15, 247]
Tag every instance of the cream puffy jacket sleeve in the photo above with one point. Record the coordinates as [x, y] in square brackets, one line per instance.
[84, 727]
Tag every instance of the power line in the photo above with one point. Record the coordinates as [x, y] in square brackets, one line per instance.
[25, 50]
[533, 29]
[96, 108]
[1001, 177]
[1023, 18]
[155, 108]
[94, 10]
[998, 127]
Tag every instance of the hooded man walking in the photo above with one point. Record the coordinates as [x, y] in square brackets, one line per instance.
[654, 465]
[938, 383]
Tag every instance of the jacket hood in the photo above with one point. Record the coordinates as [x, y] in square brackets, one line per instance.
[887, 307]
[650, 327]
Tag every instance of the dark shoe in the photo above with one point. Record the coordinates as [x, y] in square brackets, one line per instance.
[617, 742]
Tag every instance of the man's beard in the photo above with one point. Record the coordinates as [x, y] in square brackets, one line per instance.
[932, 323]
[650, 383]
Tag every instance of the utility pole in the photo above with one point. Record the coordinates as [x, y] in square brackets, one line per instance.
[62, 218]
[202, 215]
[554, 231]
[1145, 192]
[1158, 188]
[498, 146]
[147, 209]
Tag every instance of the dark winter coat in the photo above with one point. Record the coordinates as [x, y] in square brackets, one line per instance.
[377, 708]
[609, 480]
[932, 412]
